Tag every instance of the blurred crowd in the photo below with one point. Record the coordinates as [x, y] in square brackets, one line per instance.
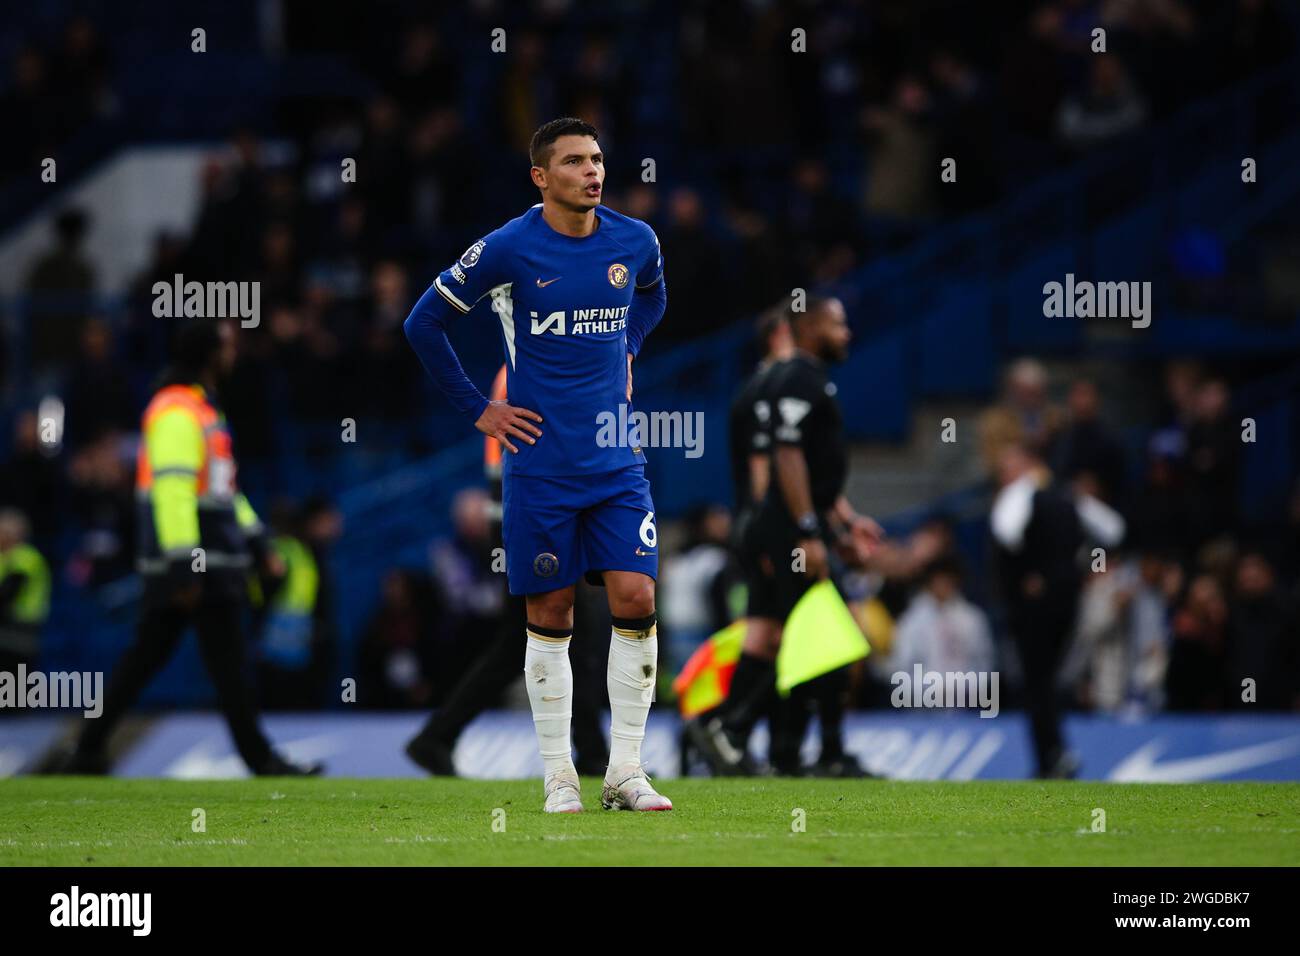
[1198, 594]
[55, 90]
[1195, 596]
[772, 170]
[800, 167]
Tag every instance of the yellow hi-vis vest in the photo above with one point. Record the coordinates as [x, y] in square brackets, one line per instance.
[32, 605]
[186, 496]
[289, 629]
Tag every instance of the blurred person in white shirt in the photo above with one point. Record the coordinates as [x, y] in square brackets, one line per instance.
[941, 630]
[1119, 655]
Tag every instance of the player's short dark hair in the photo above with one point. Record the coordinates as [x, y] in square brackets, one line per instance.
[539, 150]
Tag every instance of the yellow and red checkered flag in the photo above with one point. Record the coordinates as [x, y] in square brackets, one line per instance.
[706, 678]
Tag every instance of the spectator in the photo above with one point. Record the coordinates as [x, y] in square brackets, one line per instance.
[1119, 652]
[816, 219]
[1024, 414]
[422, 76]
[1107, 109]
[1263, 644]
[466, 573]
[1213, 454]
[1086, 448]
[699, 582]
[61, 283]
[297, 624]
[1200, 627]
[764, 266]
[390, 374]
[901, 179]
[98, 396]
[941, 630]
[102, 476]
[24, 593]
[30, 479]
[695, 280]
[81, 73]
[397, 660]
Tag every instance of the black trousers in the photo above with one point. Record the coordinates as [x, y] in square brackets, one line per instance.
[790, 716]
[221, 642]
[1041, 630]
[9, 663]
[281, 689]
[502, 663]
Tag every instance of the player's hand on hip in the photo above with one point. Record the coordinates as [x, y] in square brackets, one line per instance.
[816, 563]
[501, 421]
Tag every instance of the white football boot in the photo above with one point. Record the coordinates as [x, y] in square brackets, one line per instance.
[628, 788]
[562, 795]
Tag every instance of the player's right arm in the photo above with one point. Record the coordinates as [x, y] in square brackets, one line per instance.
[792, 481]
[793, 402]
[454, 292]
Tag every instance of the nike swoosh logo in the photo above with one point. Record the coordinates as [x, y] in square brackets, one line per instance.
[1144, 764]
[549, 699]
[543, 285]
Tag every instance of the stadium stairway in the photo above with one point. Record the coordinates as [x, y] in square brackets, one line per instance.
[887, 478]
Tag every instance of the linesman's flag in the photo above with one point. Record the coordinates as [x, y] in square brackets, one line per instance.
[821, 635]
[705, 680]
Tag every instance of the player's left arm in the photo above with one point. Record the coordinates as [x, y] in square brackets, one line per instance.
[649, 300]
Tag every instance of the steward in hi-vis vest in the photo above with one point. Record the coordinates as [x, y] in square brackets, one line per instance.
[190, 513]
[198, 540]
[296, 629]
[24, 592]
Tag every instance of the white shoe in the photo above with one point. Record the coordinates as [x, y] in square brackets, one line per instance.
[562, 794]
[628, 788]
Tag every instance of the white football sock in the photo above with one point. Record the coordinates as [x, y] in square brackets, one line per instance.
[550, 694]
[630, 677]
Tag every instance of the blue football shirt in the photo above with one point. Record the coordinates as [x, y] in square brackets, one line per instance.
[562, 304]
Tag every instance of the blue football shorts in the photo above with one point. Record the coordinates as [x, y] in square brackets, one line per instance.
[557, 529]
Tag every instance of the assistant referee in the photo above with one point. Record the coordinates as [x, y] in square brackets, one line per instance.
[802, 520]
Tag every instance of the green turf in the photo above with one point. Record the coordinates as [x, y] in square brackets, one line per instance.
[78, 821]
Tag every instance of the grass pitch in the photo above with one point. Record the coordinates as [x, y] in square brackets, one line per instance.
[436, 822]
